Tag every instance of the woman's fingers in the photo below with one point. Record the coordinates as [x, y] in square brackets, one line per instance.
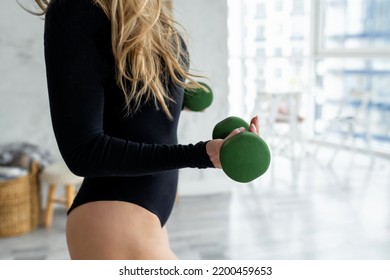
[213, 147]
[254, 125]
[234, 132]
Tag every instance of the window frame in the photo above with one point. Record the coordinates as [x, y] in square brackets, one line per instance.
[318, 36]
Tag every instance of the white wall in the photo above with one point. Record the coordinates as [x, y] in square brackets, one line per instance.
[206, 24]
[24, 110]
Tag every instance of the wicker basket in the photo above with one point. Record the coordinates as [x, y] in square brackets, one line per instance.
[20, 204]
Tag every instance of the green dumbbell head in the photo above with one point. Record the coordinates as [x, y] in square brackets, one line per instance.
[245, 156]
[226, 126]
[198, 99]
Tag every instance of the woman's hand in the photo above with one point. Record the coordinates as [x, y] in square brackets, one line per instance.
[214, 146]
[254, 125]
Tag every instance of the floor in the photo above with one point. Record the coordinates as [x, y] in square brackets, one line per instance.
[310, 210]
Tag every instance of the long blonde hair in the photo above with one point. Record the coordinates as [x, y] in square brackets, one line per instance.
[146, 47]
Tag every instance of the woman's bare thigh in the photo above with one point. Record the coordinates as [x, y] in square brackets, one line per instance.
[116, 230]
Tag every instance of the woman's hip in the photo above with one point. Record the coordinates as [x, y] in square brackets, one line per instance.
[116, 230]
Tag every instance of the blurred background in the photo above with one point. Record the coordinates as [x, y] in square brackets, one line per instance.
[317, 72]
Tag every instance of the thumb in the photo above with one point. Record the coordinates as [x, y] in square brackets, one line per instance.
[234, 132]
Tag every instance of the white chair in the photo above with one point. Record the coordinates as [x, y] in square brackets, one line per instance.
[55, 175]
[280, 125]
[352, 121]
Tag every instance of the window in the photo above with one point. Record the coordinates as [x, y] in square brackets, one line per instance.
[298, 7]
[260, 33]
[299, 44]
[271, 34]
[353, 56]
[279, 5]
[362, 26]
[260, 10]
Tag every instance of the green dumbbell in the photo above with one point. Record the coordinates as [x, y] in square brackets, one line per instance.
[198, 99]
[245, 156]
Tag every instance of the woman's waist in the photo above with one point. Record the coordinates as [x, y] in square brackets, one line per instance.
[129, 181]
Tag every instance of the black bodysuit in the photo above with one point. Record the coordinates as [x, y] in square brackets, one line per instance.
[135, 158]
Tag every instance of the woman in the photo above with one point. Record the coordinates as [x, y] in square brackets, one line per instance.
[116, 70]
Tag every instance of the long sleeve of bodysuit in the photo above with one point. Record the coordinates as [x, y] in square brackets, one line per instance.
[76, 77]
